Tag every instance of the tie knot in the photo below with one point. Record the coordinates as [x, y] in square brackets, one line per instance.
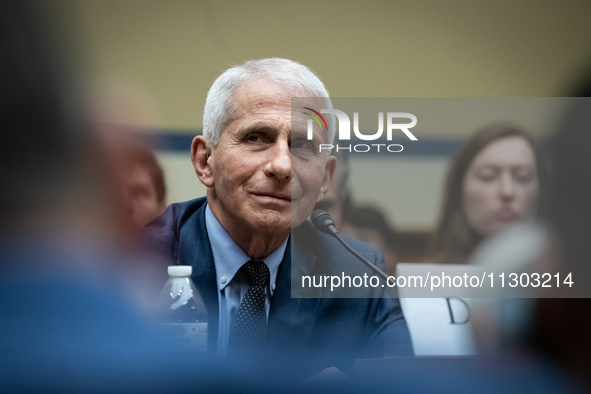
[257, 273]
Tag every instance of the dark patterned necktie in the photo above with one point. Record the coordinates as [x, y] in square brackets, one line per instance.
[250, 329]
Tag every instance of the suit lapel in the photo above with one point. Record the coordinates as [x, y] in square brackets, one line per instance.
[291, 320]
[194, 249]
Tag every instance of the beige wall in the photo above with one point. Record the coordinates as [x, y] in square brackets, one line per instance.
[166, 54]
[175, 49]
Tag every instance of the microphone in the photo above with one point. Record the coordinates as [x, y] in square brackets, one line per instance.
[323, 222]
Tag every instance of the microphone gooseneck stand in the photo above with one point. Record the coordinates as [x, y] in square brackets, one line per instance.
[323, 222]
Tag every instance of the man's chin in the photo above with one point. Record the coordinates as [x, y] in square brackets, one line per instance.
[273, 223]
[297, 220]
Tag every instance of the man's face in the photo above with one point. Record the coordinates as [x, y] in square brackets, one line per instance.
[265, 180]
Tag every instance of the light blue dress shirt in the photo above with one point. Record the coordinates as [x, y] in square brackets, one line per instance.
[228, 258]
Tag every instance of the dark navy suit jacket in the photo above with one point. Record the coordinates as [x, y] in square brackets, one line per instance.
[334, 330]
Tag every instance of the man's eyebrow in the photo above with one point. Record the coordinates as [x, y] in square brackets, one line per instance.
[257, 127]
[301, 133]
[298, 133]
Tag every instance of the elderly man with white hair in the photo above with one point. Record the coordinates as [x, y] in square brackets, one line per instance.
[249, 238]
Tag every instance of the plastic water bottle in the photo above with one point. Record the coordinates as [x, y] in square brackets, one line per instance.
[182, 310]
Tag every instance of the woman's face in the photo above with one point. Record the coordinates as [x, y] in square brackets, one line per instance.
[501, 186]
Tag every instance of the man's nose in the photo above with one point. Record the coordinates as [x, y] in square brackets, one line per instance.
[279, 164]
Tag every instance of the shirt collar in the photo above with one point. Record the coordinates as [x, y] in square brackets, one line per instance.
[228, 257]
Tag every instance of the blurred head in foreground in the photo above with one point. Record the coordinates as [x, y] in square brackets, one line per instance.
[555, 320]
[563, 324]
[68, 324]
[494, 181]
[41, 149]
[55, 172]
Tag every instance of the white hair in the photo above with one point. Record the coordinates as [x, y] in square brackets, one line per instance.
[295, 77]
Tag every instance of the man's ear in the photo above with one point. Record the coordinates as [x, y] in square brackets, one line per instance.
[201, 156]
[331, 165]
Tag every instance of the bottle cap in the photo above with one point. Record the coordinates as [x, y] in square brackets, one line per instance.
[180, 270]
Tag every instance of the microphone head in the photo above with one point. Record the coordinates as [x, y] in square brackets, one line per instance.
[323, 222]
